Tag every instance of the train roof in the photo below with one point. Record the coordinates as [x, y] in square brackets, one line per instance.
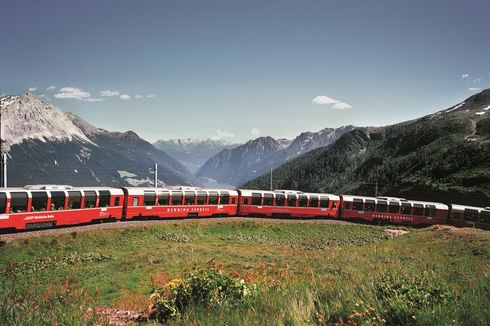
[248, 192]
[330, 196]
[141, 190]
[51, 188]
[396, 199]
[461, 208]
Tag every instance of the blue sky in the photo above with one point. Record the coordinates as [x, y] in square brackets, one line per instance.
[239, 69]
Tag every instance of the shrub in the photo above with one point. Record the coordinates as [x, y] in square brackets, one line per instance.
[206, 287]
[402, 297]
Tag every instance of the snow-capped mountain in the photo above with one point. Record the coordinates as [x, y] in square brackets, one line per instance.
[256, 157]
[476, 104]
[193, 152]
[47, 145]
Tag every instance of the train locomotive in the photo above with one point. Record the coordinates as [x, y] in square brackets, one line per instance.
[44, 206]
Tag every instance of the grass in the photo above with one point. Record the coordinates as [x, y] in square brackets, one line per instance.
[307, 273]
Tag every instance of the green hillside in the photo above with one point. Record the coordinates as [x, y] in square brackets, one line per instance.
[444, 157]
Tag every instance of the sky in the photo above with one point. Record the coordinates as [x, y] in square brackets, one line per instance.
[237, 70]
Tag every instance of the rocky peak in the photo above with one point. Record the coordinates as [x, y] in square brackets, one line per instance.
[27, 117]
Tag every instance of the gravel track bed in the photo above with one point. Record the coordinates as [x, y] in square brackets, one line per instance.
[7, 237]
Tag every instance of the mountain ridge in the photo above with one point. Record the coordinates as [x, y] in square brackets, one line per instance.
[47, 145]
[444, 156]
[193, 152]
[244, 165]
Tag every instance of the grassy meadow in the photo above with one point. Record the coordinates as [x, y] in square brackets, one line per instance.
[292, 273]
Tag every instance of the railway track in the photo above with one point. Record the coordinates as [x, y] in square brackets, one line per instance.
[8, 237]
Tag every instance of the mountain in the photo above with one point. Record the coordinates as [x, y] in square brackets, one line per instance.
[245, 162]
[443, 156]
[231, 166]
[193, 152]
[47, 145]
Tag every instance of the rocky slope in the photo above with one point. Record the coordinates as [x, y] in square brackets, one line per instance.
[47, 145]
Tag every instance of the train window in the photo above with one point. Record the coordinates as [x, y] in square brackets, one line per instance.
[18, 202]
[394, 207]
[485, 216]
[213, 198]
[256, 199]
[314, 201]
[116, 201]
[381, 206]
[418, 209]
[347, 204]
[246, 201]
[292, 200]
[149, 198]
[430, 210]
[280, 199]
[268, 199]
[357, 205]
[233, 201]
[369, 205]
[90, 199]
[57, 200]
[176, 198]
[104, 198]
[39, 201]
[456, 216]
[190, 197]
[163, 198]
[324, 202]
[74, 199]
[303, 201]
[201, 198]
[136, 201]
[3, 203]
[406, 208]
[471, 215]
[224, 198]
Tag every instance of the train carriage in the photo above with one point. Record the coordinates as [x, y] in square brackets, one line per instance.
[175, 202]
[393, 210]
[287, 203]
[470, 216]
[41, 206]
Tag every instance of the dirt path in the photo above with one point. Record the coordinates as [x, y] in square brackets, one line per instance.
[7, 237]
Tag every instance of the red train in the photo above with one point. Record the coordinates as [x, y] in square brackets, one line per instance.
[42, 206]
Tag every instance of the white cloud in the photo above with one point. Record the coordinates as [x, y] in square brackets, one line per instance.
[73, 93]
[341, 106]
[51, 88]
[109, 93]
[150, 95]
[325, 100]
[255, 132]
[32, 89]
[322, 99]
[464, 76]
[125, 97]
[477, 80]
[474, 89]
[42, 95]
[94, 100]
[222, 134]
[138, 96]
